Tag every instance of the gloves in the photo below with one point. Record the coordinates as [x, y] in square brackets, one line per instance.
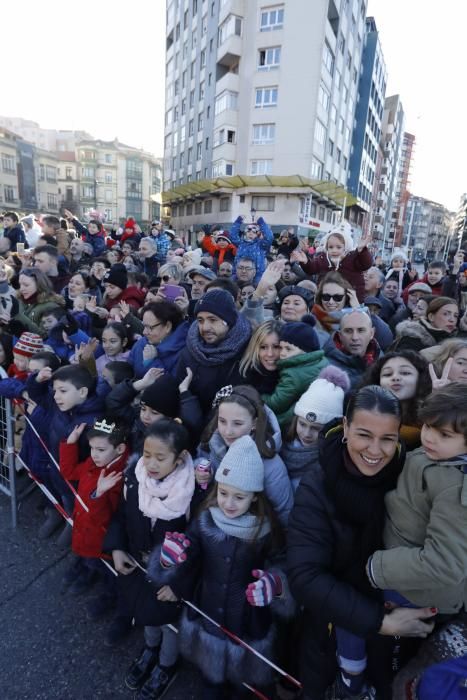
[174, 548]
[262, 591]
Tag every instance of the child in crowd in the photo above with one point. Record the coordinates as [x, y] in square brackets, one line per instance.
[115, 344]
[339, 254]
[254, 244]
[69, 396]
[24, 349]
[240, 412]
[117, 371]
[322, 402]
[219, 245]
[157, 495]
[434, 277]
[63, 332]
[225, 563]
[94, 233]
[301, 360]
[399, 271]
[100, 487]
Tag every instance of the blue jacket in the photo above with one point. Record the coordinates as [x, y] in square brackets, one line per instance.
[256, 250]
[167, 352]
[61, 423]
[61, 349]
[97, 240]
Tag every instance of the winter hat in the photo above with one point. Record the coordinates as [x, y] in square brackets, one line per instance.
[242, 466]
[163, 396]
[220, 303]
[29, 220]
[398, 253]
[301, 334]
[420, 287]
[170, 233]
[372, 300]
[129, 223]
[225, 235]
[324, 399]
[117, 275]
[28, 344]
[203, 272]
[344, 229]
[303, 292]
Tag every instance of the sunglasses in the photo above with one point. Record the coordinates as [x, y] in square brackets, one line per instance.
[334, 297]
[165, 278]
[252, 228]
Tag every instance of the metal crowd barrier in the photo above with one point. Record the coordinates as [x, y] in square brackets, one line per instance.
[7, 453]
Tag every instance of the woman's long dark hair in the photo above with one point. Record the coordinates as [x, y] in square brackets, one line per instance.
[374, 398]
[410, 406]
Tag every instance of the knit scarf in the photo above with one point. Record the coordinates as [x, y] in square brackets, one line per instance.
[327, 321]
[371, 354]
[245, 527]
[229, 348]
[168, 498]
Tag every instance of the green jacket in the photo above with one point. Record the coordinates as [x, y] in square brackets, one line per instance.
[295, 376]
[30, 315]
[426, 534]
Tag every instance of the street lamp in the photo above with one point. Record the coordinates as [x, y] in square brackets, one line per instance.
[253, 212]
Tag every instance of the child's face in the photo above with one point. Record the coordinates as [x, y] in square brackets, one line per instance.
[234, 421]
[335, 247]
[102, 450]
[158, 458]
[36, 365]
[111, 291]
[442, 443]
[434, 275]
[108, 377]
[148, 415]
[232, 501]
[398, 263]
[400, 377]
[21, 362]
[251, 233]
[307, 432]
[289, 350]
[93, 229]
[67, 396]
[111, 342]
[48, 322]
[458, 371]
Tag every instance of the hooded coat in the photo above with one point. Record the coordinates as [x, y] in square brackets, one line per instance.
[97, 240]
[416, 335]
[351, 267]
[168, 352]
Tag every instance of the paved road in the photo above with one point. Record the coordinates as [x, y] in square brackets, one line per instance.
[48, 649]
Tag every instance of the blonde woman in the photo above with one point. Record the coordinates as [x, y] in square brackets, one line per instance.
[448, 362]
[259, 362]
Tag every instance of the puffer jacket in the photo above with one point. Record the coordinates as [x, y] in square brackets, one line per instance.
[277, 486]
[216, 575]
[168, 352]
[256, 250]
[295, 376]
[29, 316]
[426, 547]
[351, 267]
[416, 335]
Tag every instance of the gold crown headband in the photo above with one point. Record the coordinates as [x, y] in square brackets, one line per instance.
[103, 427]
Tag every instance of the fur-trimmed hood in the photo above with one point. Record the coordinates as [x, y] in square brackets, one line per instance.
[417, 330]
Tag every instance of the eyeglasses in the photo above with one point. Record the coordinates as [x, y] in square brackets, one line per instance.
[242, 268]
[151, 328]
[334, 297]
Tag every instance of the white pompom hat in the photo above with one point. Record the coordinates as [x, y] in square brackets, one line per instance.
[324, 399]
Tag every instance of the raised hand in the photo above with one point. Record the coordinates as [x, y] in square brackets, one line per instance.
[87, 350]
[149, 378]
[364, 241]
[174, 548]
[443, 380]
[124, 309]
[44, 375]
[262, 592]
[185, 384]
[75, 434]
[123, 563]
[68, 215]
[182, 302]
[353, 299]
[106, 482]
[271, 275]
[298, 255]
[458, 261]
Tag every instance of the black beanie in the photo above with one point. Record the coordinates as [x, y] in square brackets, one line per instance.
[301, 334]
[219, 303]
[163, 396]
[117, 275]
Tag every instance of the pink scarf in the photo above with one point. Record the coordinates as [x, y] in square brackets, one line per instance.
[169, 498]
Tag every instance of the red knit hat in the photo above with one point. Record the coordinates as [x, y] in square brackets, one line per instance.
[28, 344]
[130, 223]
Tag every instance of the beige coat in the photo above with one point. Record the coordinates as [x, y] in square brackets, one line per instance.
[426, 534]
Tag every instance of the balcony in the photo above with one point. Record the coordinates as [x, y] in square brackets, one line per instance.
[231, 7]
[229, 52]
[227, 81]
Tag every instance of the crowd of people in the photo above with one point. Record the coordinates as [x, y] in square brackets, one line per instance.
[271, 431]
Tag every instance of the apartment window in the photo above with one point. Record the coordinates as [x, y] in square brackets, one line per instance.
[333, 113]
[88, 155]
[51, 200]
[338, 79]
[199, 151]
[200, 121]
[261, 167]
[226, 100]
[202, 58]
[313, 210]
[316, 169]
[230, 136]
[9, 193]
[198, 205]
[201, 90]
[85, 172]
[177, 31]
[222, 167]
[175, 139]
[347, 134]
[192, 98]
[194, 40]
[208, 111]
[330, 147]
[207, 143]
[189, 207]
[348, 61]
[185, 50]
[108, 214]
[266, 97]
[195, 7]
[270, 58]
[324, 96]
[191, 127]
[184, 79]
[204, 25]
[108, 195]
[263, 134]
[272, 19]
[320, 132]
[327, 175]
[185, 19]
[328, 58]
[355, 76]
[208, 206]
[329, 214]
[341, 125]
[8, 164]
[263, 203]
[189, 156]
[41, 172]
[174, 163]
[175, 114]
[345, 94]
[181, 159]
[108, 178]
[69, 173]
[224, 204]
[231, 26]
[50, 173]
[193, 70]
[341, 43]
[338, 155]
[183, 107]
[176, 87]
[345, 162]
[168, 117]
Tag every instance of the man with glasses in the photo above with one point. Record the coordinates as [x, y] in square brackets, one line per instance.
[245, 271]
[254, 243]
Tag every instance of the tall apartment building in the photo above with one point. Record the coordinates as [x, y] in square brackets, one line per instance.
[391, 146]
[402, 188]
[460, 223]
[260, 90]
[362, 180]
[427, 229]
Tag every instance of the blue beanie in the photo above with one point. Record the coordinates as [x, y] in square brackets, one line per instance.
[301, 334]
[219, 303]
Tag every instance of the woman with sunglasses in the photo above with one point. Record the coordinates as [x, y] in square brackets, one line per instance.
[334, 296]
[164, 337]
[36, 298]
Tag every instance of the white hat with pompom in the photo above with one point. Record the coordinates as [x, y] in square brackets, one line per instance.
[324, 399]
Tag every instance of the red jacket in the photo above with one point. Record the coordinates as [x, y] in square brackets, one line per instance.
[133, 296]
[436, 289]
[219, 254]
[89, 529]
[351, 267]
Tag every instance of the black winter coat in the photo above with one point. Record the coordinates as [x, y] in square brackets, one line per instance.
[320, 555]
[132, 532]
